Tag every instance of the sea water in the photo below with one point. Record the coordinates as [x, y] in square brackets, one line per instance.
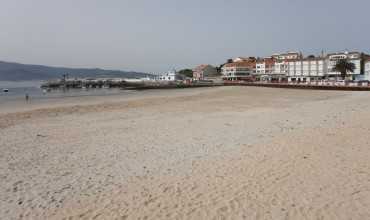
[18, 91]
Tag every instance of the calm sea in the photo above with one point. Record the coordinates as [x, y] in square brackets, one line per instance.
[18, 90]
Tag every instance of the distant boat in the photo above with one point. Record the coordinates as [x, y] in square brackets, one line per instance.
[5, 90]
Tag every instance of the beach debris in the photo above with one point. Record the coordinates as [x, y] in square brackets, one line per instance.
[40, 135]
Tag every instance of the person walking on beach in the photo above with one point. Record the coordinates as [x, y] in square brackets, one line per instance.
[27, 97]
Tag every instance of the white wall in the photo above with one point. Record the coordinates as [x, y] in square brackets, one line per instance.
[228, 71]
[357, 62]
[307, 68]
[236, 71]
[367, 71]
[260, 68]
[169, 76]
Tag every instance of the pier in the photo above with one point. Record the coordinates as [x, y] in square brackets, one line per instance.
[129, 84]
[84, 83]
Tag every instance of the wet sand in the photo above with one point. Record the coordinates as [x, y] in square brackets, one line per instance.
[208, 153]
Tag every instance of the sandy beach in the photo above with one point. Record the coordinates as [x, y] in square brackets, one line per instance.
[206, 153]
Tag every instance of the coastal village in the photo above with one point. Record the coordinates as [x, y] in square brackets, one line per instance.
[283, 68]
[289, 70]
[291, 67]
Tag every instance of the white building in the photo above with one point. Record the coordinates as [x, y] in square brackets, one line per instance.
[353, 57]
[238, 70]
[293, 67]
[260, 67]
[286, 56]
[366, 75]
[265, 66]
[265, 69]
[280, 67]
[306, 70]
[281, 62]
[169, 76]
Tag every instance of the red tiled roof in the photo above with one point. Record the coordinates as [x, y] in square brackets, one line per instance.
[267, 61]
[248, 64]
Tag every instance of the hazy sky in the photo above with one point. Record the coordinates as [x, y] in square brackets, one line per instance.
[153, 36]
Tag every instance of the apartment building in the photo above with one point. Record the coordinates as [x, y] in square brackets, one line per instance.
[275, 67]
[366, 69]
[240, 70]
[306, 70]
[293, 67]
[265, 68]
[354, 57]
[281, 65]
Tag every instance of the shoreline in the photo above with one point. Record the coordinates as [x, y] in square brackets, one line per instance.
[20, 104]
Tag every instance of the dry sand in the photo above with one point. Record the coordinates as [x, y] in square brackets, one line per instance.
[209, 153]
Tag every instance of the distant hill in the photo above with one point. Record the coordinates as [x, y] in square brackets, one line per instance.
[21, 72]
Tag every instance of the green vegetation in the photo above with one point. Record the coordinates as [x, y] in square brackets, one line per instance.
[186, 72]
[344, 66]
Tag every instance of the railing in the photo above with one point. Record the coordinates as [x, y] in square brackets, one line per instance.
[354, 86]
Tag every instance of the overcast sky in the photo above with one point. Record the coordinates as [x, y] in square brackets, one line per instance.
[154, 36]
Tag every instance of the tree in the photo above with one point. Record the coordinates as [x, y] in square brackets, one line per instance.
[186, 72]
[344, 66]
